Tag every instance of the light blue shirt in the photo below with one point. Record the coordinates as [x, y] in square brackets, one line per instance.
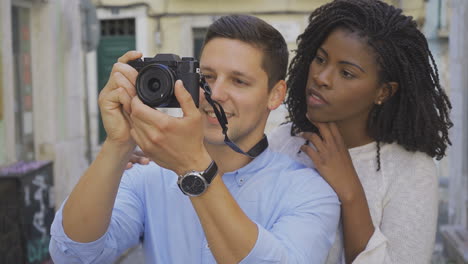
[296, 212]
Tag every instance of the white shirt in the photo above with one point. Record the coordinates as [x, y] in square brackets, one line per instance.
[402, 198]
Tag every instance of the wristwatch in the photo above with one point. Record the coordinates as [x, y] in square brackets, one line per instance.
[195, 183]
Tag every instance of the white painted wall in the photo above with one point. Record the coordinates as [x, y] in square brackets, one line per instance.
[458, 50]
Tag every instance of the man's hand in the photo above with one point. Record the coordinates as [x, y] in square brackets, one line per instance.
[175, 143]
[115, 99]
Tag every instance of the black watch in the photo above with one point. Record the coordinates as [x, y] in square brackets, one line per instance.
[195, 183]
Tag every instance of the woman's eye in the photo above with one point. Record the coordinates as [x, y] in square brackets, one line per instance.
[319, 60]
[347, 75]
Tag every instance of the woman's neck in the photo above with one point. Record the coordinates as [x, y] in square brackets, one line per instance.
[354, 133]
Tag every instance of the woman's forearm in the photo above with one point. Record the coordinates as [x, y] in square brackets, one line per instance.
[357, 223]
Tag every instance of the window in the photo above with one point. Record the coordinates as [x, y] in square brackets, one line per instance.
[23, 107]
[117, 37]
[198, 39]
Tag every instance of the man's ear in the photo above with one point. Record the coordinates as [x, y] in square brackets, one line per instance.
[276, 95]
[386, 91]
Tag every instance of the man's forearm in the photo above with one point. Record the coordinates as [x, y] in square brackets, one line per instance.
[87, 212]
[230, 233]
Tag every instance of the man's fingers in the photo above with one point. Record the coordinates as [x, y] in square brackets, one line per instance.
[122, 81]
[117, 98]
[130, 55]
[185, 99]
[126, 70]
[148, 115]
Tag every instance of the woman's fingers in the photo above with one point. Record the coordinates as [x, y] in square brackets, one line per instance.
[313, 154]
[315, 139]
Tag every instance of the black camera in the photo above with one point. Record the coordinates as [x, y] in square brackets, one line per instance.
[157, 76]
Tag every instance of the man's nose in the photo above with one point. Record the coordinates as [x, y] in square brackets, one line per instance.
[219, 90]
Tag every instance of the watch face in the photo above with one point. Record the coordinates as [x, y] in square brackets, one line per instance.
[193, 185]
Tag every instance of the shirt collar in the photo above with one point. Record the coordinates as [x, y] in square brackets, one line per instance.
[243, 174]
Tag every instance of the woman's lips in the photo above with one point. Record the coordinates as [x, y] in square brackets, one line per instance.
[314, 98]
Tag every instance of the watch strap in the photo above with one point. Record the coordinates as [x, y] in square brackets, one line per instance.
[210, 172]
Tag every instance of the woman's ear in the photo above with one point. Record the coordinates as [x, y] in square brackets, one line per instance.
[276, 95]
[386, 91]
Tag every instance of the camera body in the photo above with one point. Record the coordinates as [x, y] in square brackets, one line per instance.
[157, 76]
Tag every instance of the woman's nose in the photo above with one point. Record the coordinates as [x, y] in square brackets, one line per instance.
[323, 77]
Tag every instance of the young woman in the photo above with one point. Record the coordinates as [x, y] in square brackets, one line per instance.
[366, 109]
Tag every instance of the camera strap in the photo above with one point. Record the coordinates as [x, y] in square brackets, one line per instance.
[222, 119]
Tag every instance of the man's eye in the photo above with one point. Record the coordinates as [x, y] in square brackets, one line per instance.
[239, 82]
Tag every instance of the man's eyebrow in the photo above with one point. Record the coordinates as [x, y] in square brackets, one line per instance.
[241, 74]
[344, 62]
[234, 73]
[206, 68]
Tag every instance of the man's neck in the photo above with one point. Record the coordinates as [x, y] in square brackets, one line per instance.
[226, 158]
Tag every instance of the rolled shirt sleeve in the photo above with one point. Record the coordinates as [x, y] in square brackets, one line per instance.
[124, 230]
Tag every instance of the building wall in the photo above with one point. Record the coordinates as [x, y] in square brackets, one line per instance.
[57, 83]
[459, 95]
[2, 130]
[7, 131]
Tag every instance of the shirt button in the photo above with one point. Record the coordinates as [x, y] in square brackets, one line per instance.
[241, 180]
[207, 246]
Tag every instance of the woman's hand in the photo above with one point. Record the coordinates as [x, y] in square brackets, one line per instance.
[137, 157]
[331, 158]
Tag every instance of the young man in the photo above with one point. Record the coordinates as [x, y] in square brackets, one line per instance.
[263, 210]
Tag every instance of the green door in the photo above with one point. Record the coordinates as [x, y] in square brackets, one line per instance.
[117, 37]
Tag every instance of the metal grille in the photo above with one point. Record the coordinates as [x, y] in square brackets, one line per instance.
[118, 27]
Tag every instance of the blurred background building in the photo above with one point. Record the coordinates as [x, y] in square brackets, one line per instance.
[56, 55]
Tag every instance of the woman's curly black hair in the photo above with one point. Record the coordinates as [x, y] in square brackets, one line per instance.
[417, 115]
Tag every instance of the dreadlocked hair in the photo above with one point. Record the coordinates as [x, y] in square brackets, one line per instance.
[417, 115]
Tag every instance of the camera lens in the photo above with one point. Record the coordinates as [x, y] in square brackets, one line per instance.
[155, 85]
